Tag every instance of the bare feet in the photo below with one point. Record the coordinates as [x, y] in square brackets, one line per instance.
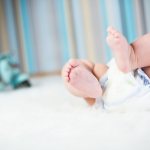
[80, 81]
[121, 49]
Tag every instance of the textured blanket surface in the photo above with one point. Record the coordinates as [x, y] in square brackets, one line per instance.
[47, 117]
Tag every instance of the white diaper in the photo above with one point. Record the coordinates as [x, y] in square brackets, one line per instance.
[119, 87]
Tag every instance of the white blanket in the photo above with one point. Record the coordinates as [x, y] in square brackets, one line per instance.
[47, 117]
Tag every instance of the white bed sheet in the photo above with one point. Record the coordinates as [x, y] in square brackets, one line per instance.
[47, 117]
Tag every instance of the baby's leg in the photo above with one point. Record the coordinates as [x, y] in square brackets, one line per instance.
[98, 70]
[80, 80]
[124, 53]
[142, 51]
[130, 56]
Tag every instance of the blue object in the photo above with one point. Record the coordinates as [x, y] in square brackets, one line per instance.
[10, 74]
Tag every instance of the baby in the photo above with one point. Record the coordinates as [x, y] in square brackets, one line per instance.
[82, 77]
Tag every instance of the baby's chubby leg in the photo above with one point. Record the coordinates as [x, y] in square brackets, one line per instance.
[81, 81]
[141, 47]
[130, 56]
[124, 53]
[98, 71]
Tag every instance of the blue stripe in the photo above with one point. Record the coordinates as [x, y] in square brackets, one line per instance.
[63, 29]
[27, 36]
[44, 39]
[78, 28]
[147, 12]
[131, 27]
[105, 25]
[11, 27]
[123, 18]
[116, 14]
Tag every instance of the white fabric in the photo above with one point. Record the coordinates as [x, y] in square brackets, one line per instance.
[121, 87]
[48, 117]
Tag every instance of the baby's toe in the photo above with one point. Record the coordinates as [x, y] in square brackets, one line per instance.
[74, 75]
[117, 34]
[110, 38]
[110, 29]
[68, 70]
[66, 74]
[67, 78]
[74, 62]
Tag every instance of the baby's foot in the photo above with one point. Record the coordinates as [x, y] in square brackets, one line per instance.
[72, 63]
[83, 80]
[121, 49]
[80, 81]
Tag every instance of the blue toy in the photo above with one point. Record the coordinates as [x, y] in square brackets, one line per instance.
[11, 75]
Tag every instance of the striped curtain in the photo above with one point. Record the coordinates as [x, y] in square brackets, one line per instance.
[43, 34]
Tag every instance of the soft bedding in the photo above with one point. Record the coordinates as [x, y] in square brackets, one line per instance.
[47, 117]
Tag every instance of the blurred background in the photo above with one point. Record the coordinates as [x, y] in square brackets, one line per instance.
[43, 34]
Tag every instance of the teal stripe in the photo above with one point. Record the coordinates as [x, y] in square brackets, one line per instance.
[147, 12]
[43, 37]
[27, 36]
[123, 18]
[143, 18]
[116, 14]
[131, 26]
[11, 27]
[63, 29]
[78, 29]
[105, 24]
